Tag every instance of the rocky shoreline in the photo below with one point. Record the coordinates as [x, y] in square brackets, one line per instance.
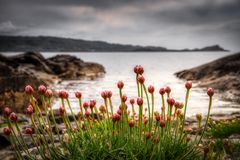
[222, 74]
[32, 68]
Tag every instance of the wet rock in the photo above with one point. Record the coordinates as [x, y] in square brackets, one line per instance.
[222, 74]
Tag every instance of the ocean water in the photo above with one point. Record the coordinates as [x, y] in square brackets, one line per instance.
[159, 71]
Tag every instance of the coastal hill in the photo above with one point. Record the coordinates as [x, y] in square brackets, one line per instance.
[55, 44]
[222, 74]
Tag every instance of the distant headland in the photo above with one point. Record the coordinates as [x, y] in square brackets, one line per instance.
[56, 44]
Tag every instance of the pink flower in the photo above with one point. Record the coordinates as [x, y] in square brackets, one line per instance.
[132, 101]
[92, 104]
[63, 94]
[7, 111]
[28, 130]
[78, 94]
[7, 131]
[61, 110]
[150, 89]
[131, 123]
[138, 69]
[49, 93]
[188, 85]
[85, 105]
[171, 101]
[139, 101]
[162, 123]
[29, 90]
[162, 91]
[141, 79]
[42, 89]
[109, 94]
[124, 98]
[120, 84]
[29, 110]
[13, 116]
[104, 94]
[210, 92]
[168, 89]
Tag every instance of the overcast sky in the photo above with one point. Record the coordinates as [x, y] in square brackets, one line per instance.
[168, 23]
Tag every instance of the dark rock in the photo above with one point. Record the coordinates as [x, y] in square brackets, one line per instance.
[4, 142]
[32, 68]
[222, 74]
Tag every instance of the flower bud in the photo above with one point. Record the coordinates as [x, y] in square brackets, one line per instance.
[49, 93]
[78, 94]
[13, 116]
[124, 98]
[63, 94]
[42, 89]
[61, 110]
[131, 123]
[168, 89]
[29, 90]
[87, 114]
[145, 121]
[141, 79]
[177, 104]
[120, 84]
[150, 89]
[109, 94]
[116, 117]
[85, 105]
[119, 111]
[29, 110]
[199, 117]
[104, 94]
[188, 85]
[171, 101]
[102, 109]
[162, 123]
[162, 91]
[210, 92]
[139, 101]
[7, 111]
[148, 136]
[28, 131]
[132, 101]
[92, 104]
[138, 69]
[7, 131]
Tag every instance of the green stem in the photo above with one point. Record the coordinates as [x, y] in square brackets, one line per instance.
[149, 111]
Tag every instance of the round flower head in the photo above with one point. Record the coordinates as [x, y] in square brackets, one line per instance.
[102, 109]
[141, 79]
[210, 92]
[138, 69]
[42, 89]
[109, 94]
[168, 89]
[49, 93]
[120, 84]
[188, 84]
[124, 98]
[139, 101]
[162, 123]
[148, 135]
[131, 123]
[132, 101]
[78, 94]
[63, 94]
[104, 94]
[199, 116]
[150, 89]
[29, 110]
[171, 101]
[7, 111]
[13, 116]
[87, 114]
[29, 90]
[61, 110]
[162, 91]
[28, 131]
[85, 105]
[7, 131]
[92, 104]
